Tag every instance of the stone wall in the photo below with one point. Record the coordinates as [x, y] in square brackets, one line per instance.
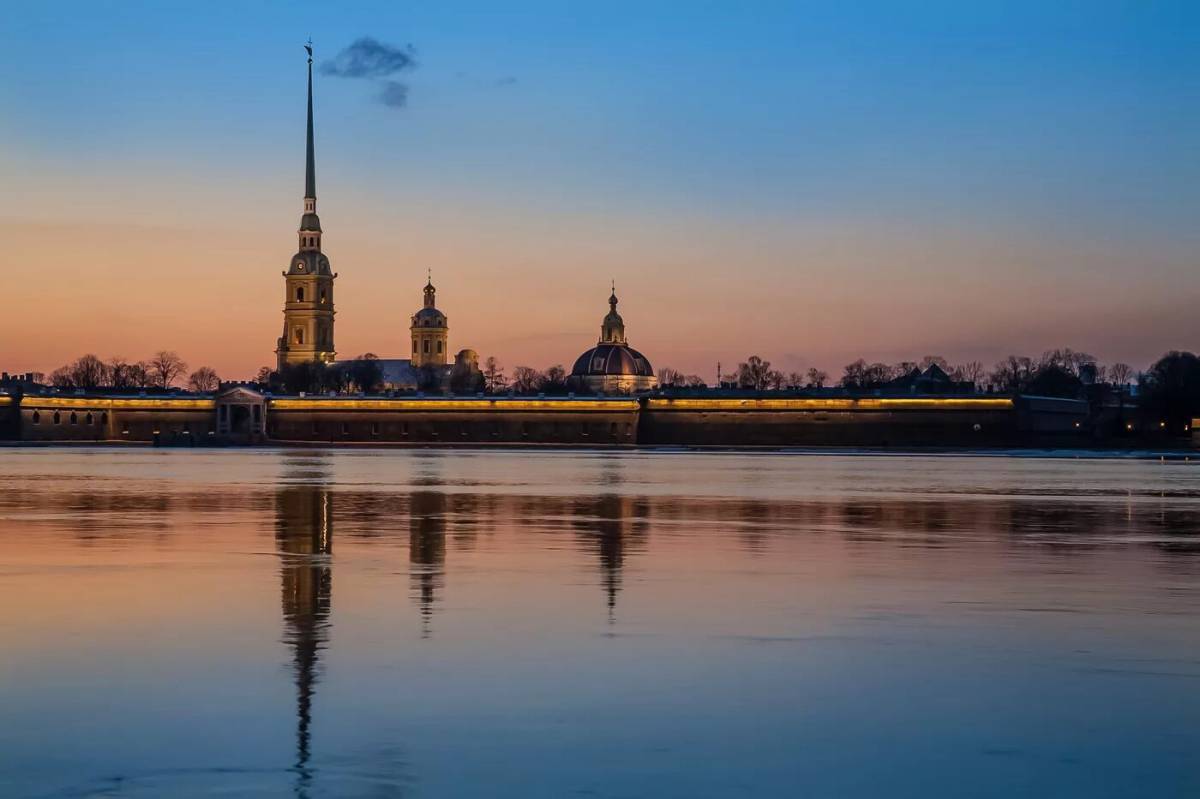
[590, 422]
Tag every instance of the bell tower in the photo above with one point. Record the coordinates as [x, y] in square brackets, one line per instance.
[430, 332]
[308, 281]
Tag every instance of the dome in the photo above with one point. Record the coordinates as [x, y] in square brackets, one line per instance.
[612, 359]
[309, 262]
[310, 222]
[429, 317]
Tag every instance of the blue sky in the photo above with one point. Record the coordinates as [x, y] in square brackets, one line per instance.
[633, 131]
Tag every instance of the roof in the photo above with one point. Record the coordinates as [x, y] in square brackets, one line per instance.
[612, 359]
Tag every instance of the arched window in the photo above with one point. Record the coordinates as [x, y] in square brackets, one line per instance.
[74, 418]
[414, 346]
[300, 294]
[299, 335]
[103, 419]
[37, 418]
[323, 297]
[425, 345]
[57, 418]
[88, 419]
[439, 346]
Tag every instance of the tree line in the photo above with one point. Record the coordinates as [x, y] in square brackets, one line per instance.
[165, 369]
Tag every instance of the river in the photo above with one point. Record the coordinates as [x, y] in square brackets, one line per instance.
[531, 623]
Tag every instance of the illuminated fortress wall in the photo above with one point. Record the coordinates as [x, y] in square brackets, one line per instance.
[594, 422]
[169, 420]
[836, 421]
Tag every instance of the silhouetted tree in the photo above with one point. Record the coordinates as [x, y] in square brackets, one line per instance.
[1172, 389]
[817, 378]
[754, 373]
[527, 380]
[554, 380]
[494, 380]
[166, 367]
[204, 379]
[364, 373]
[1120, 373]
[1054, 381]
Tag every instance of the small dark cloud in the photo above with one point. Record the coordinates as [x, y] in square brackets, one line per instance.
[394, 94]
[370, 58]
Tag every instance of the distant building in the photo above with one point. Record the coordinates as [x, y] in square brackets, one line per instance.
[308, 301]
[612, 366]
[428, 367]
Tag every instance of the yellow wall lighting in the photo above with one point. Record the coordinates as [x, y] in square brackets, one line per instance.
[831, 404]
[564, 405]
[132, 403]
[5, 401]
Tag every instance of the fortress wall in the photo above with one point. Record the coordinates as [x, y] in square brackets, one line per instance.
[10, 418]
[450, 421]
[170, 420]
[866, 422]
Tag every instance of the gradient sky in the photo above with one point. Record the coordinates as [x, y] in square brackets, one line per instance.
[805, 181]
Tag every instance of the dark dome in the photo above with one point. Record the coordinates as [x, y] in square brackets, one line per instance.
[612, 359]
[310, 222]
[314, 263]
[433, 316]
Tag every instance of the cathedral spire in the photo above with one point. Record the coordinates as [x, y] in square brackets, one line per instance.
[310, 166]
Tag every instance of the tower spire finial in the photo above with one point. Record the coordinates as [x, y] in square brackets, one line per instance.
[310, 168]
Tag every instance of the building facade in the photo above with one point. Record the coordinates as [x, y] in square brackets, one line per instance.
[612, 366]
[430, 332]
[308, 281]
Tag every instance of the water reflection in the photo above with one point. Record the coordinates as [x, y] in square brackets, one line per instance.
[770, 610]
[426, 552]
[304, 538]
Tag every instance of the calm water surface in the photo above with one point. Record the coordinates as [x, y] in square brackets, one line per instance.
[550, 624]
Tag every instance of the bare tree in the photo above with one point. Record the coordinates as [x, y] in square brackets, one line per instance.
[1120, 374]
[494, 380]
[527, 380]
[139, 374]
[754, 373]
[971, 371]
[1013, 373]
[88, 371]
[775, 379]
[61, 378]
[554, 379]
[816, 377]
[795, 379]
[204, 379]
[166, 367]
[263, 377]
[670, 377]
[693, 381]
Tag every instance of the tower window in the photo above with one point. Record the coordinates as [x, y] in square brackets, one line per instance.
[414, 346]
[323, 297]
[425, 346]
[299, 335]
[300, 294]
[439, 346]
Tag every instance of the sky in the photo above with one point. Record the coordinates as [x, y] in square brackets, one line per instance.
[809, 182]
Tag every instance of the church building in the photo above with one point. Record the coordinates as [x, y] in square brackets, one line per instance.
[308, 280]
[612, 366]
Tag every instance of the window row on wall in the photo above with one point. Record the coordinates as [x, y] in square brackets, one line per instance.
[477, 430]
[73, 418]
